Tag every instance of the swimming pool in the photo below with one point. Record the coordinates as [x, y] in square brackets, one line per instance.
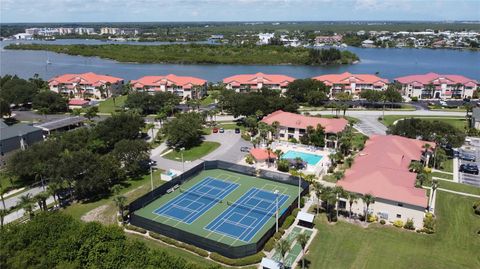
[311, 159]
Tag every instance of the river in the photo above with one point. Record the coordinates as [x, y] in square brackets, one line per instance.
[389, 63]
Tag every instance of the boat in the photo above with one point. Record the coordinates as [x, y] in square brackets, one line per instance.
[49, 62]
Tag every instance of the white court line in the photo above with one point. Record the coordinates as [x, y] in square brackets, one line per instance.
[275, 187]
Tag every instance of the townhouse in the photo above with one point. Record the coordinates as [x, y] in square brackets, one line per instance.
[183, 86]
[247, 82]
[352, 83]
[382, 170]
[433, 85]
[86, 86]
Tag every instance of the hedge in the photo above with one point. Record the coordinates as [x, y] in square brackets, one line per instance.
[253, 259]
[269, 245]
[176, 243]
[288, 222]
[136, 229]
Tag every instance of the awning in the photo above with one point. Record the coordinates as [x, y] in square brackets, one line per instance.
[306, 217]
[270, 264]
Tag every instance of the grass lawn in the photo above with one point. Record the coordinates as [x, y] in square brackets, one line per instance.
[193, 153]
[108, 107]
[133, 190]
[454, 245]
[459, 187]
[442, 175]
[448, 166]
[207, 100]
[330, 116]
[458, 122]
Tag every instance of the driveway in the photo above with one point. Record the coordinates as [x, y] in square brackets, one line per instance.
[229, 151]
[469, 178]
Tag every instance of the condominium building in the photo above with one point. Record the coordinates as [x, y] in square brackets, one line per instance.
[381, 169]
[433, 85]
[352, 83]
[183, 86]
[247, 82]
[293, 125]
[87, 85]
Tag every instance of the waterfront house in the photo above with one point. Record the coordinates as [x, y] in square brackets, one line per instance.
[247, 82]
[381, 169]
[352, 83]
[433, 85]
[293, 126]
[85, 86]
[185, 87]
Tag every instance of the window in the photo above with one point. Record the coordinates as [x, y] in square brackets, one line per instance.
[302, 131]
[342, 204]
[399, 216]
[282, 135]
[291, 130]
[400, 204]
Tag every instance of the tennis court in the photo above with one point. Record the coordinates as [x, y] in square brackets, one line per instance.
[223, 206]
[192, 203]
[243, 219]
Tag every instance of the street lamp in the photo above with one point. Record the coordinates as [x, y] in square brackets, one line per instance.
[151, 174]
[276, 211]
[299, 183]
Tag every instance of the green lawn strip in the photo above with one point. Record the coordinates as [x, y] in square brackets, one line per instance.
[135, 189]
[230, 126]
[442, 175]
[170, 249]
[458, 122]
[454, 245]
[194, 153]
[198, 226]
[207, 101]
[108, 107]
[448, 166]
[453, 186]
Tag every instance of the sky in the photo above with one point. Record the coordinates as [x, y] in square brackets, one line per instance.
[236, 10]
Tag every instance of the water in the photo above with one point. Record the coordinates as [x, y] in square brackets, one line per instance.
[311, 159]
[389, 63]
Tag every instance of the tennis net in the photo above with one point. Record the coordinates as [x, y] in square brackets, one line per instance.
[201, 195]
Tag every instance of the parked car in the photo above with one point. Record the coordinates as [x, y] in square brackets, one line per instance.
[456, 153]
[222, 130]
[245, 149]
[467, 157]
[215, 130]
[469, 168]
[237, 130]
[443, 103]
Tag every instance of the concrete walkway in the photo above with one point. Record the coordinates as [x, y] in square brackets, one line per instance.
[459, 193]
[20, 213]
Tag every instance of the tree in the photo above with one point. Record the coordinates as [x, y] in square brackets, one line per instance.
[119, 126]
[283, 247]
[16, 90]
[302, 239]
[318, 187]
[91, 112]
[41, 199]
[415, 166]
[352, 198]
[440, 157]
[26, 203]
[305, 90]
[52, 189]
[133, 156]
[3, 214]
[2, 192]
[5, 109]
[185, 131]
[368, 199]
[49, 102]
[120, 202]
[275, 126]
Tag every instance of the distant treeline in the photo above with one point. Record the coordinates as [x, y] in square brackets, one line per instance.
[202, 54]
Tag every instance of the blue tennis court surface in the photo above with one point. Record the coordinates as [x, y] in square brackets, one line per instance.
[243, 219]
[192, 203]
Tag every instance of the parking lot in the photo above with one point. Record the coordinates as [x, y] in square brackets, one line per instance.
[473, 149]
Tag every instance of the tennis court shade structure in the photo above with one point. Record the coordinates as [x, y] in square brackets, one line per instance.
[220, 210]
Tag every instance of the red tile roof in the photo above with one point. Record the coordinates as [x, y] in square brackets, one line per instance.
[168, 80]
[292, 120]
[254, 79]
[85, 78]
[381, 169]
[261, 154]
[434, 78]
[77, 102]
[347, 78]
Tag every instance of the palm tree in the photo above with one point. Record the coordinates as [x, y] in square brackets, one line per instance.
[275, 126]
[3, 214]
[26, 202]
[318, 192]
[282, 247]
[302, 239]
[339, 192]
[41, 199]
[352, 198]
[120, 202]
[2, 192]
[52, 190]
[299, 175]
[415, 166]
[368, 199]
[330, 198]
[426, 147]
[269, 152]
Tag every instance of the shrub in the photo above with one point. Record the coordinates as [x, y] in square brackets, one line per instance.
[398, 223]
[429, 223]
[176, 243]
[295, 212]
[288, 222]
[409, 225]
[249, 159]
[283, 165]
[372, 218]
[414, 99]
[269, 245]
[427, 170]
[195, 249]
[382, 222]
[277, 235]
[253, 259]
[135, 229]
[246, 136]
[476, 207]
[292, 140]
